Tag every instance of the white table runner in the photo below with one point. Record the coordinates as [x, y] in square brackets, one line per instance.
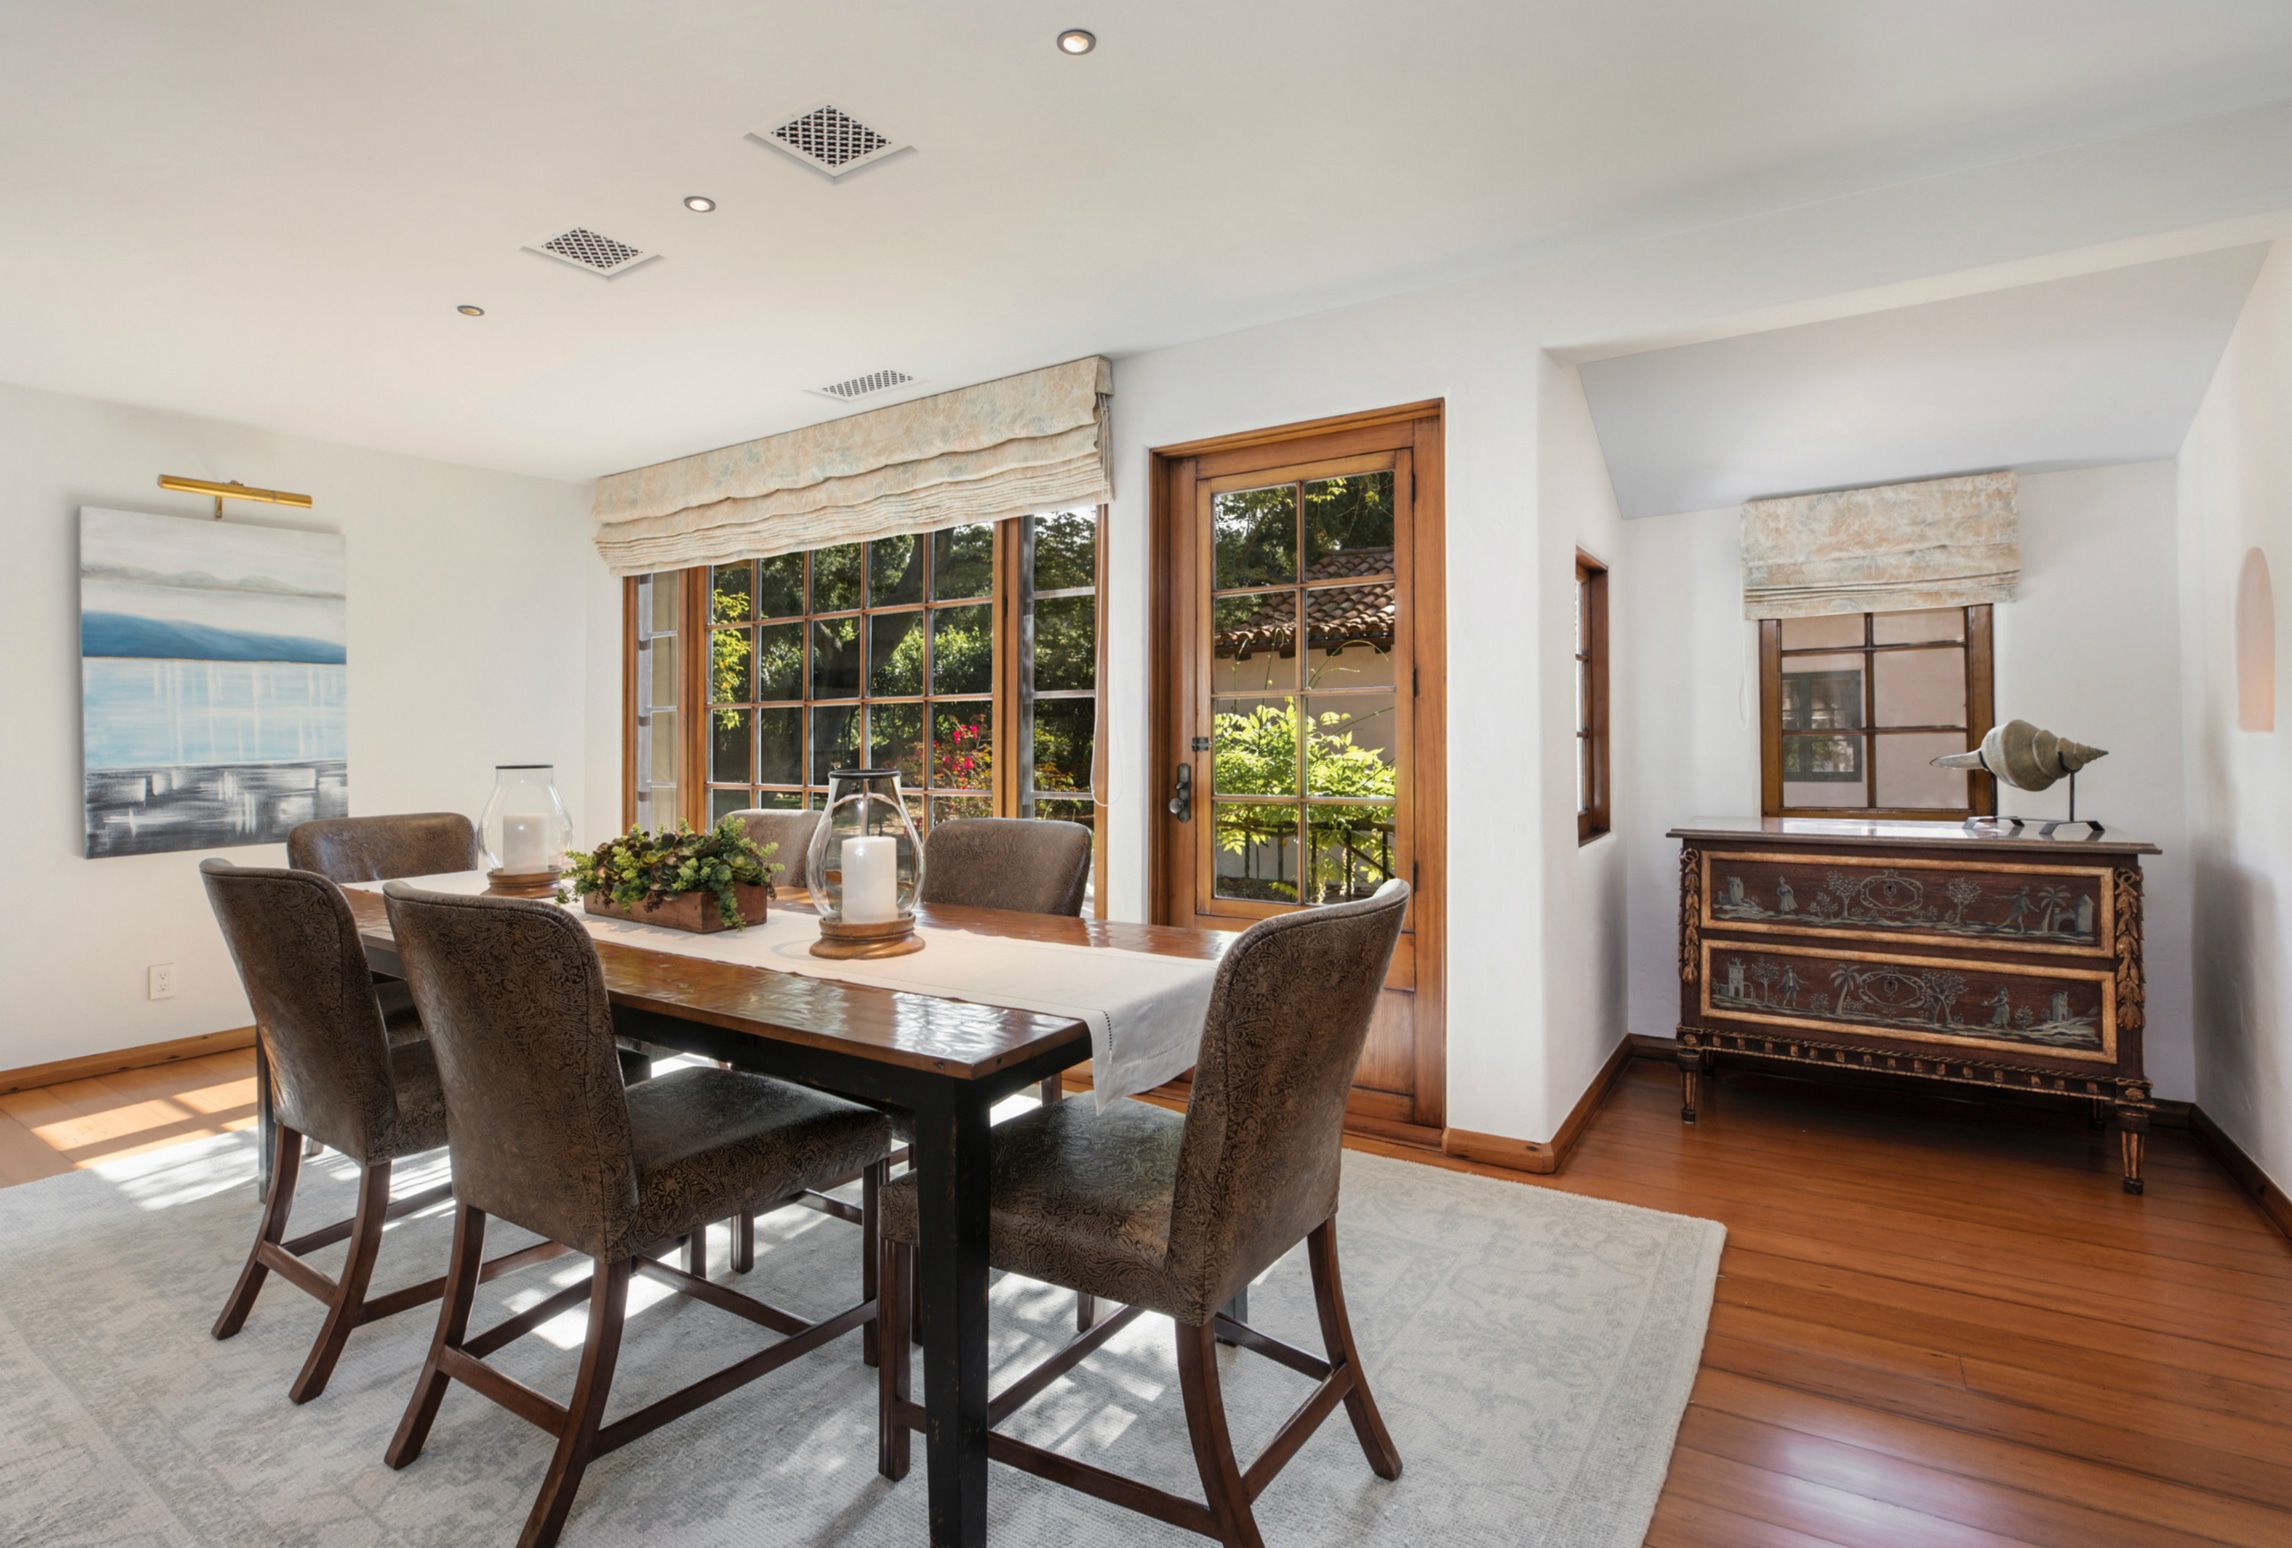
[1144, 1011]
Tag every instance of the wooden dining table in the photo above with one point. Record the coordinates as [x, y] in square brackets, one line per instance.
[946, 1061]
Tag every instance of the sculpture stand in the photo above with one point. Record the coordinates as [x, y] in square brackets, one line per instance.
[2047, 827]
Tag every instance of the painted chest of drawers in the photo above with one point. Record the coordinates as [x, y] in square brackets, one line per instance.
[1918, 949]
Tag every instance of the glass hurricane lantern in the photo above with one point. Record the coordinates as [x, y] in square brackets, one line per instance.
[866, 896]
[525, 832]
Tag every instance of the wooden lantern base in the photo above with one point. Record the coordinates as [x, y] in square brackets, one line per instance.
[523, 884]
[853, 942]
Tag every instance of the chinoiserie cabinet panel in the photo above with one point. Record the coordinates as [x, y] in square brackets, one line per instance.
[1918, 949]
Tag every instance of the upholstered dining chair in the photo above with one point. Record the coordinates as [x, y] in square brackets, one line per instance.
[348, 849]
[546, 1137]
[792, 833]
[1024, 864]
[1175, 1213]
[338, 1078]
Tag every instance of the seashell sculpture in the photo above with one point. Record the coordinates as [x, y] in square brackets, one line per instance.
[2021, 755]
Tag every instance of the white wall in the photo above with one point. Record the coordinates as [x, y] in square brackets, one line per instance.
[2089, 649]
[2236, 494]
[467, 593]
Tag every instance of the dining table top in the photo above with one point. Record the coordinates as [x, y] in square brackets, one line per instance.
[960, 1038]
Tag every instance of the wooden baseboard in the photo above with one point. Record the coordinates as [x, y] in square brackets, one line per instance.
[1542, 1157]
[2273, 1201]
[89, 1066]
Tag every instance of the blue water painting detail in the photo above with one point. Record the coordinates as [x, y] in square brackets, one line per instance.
[213, 682]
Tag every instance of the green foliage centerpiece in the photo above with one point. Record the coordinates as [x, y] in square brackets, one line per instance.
[703, 882]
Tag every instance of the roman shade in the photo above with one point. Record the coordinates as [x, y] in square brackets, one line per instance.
[1946, 542]
[1038, 441]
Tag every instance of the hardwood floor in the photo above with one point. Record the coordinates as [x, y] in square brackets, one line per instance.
[1934, 1325]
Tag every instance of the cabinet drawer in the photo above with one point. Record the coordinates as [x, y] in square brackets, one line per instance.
[2062, 910]
[2065, 1012]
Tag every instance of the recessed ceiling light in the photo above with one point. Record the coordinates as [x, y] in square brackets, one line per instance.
[470, 311]
[699, 204]
[1076, 41]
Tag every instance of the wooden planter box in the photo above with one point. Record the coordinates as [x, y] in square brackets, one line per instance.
[691, 911]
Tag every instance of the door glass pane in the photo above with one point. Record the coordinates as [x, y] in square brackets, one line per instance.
[895, 740]
[728, 653]
[780, 747]
[1064, 733]
[962, 650]
[836, 658]
[734, 589]
[836, 578]
[1066, 550]
[1907, 777]
[1255, 536]
[780, 586]
[729, 761]
[1350, 851]
[1822, 693]
[1253, 644]
[1920, 687]
[1065, 811]
[1832, 629]
[1066, 643]
[1352, 749]
[780, 661]
[963, 746]
[963, 562]
[1254, 853]
[1349, 525]
[1934, 623]
[1349, 632]
[895, 570]
[895, 653]
[1254, 746]
[835, 740]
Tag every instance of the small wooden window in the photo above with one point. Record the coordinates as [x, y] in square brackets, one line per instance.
[1854, 708]
[1592, 786]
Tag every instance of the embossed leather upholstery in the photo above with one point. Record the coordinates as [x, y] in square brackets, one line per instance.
[351, 849]
[792, 831]
[546, 1137]
[339, 1075]
[1174, 1213]
[1023, 864]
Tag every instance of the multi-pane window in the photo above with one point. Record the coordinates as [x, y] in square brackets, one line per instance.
[1856, 706]
[1592, 794]
[1058, 665]
[878, 654]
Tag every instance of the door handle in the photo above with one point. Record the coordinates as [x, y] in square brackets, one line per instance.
[1181, 804]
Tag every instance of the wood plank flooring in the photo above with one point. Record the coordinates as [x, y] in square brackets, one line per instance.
[1936, 1323]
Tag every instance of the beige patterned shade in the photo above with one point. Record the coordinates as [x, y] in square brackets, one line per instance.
[1947, 542]
[1033, 442]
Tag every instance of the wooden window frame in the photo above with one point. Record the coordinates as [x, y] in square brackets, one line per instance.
[1594, 788]
[1980, 657]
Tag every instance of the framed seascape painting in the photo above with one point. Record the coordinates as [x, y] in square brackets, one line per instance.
[211, 682]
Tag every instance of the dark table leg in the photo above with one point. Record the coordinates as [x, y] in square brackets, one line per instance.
[951, 1219]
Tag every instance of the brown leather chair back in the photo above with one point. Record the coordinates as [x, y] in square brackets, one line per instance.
[792, 831]
[515, 1006]
[1288, 1017]
[296, 946]
[1023, 864]
[350, 849]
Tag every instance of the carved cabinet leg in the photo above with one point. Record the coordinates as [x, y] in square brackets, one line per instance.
[1692, 1063]
[2133, 1135]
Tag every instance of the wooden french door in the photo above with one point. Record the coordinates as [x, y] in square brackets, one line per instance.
[1298, 672]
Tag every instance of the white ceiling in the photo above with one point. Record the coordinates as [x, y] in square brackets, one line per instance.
[267, 211]
[2097, 368]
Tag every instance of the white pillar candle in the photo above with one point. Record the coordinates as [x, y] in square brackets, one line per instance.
[524, 845]
[871, 882]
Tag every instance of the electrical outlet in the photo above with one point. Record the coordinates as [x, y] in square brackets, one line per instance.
[163, 981]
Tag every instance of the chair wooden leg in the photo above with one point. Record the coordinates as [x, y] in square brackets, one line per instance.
[914, 1300]
[350, 1286]
[1085, 1310]
[1213, 1448]
[696, 1253]
[284, 1162]
[608, 1306]
[1053, 1089]
[453, 1326]
[1337, 1334]
[871, 1268]
[894, 1373]
[743, 1243]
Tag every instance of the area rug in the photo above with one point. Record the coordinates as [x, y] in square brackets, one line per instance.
[1532, 1352]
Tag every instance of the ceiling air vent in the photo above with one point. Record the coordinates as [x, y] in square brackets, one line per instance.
[867, 385]
[830, 141]
[603, 256]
